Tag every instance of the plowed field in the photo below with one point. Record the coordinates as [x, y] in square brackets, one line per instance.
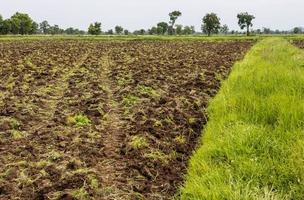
[104, 120]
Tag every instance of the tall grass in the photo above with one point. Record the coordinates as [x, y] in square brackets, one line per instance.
[253, 145]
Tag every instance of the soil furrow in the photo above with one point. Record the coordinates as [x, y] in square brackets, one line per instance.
[113, 165]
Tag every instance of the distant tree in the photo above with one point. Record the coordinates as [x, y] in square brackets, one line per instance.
[154, 30]
[95, 29]
[224, 29]
[70, 31]
[1, 23]
[277, 31]
[245, 21]
[188, 30]
[139, 32]
[6, 27]
[211, 24]
[126, 32]
[162, 28]
[297, 30]
[179, 29]
[267, 30]
[118, 30]
[21, 23]
[173, 17]
[110, 32]
[45, 27]
[55, 30]
[35, 28]
[258, 31]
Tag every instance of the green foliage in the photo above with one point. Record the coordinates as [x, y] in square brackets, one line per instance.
[211, 24]
[118, 30]
[126, 32]
[245, 21]
[129, 100]
[79, 120]
[21, 23]
[162, 28]
[224, 29]
[45, 27]
[178, 29]
[253, 145]
[297, 30]
[95, 29]
[188, 30]
[173, 17]
[138, 142]
[147, 91]
[81, 194]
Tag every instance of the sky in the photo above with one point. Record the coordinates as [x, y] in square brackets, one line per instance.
[137, 14]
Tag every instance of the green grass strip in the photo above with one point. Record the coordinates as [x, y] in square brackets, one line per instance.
[253, 144]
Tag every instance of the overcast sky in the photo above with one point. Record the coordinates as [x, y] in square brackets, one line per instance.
[136, 14]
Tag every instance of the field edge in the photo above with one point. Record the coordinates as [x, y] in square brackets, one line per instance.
[263, 94]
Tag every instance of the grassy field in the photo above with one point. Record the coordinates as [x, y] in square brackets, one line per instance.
[253, 145]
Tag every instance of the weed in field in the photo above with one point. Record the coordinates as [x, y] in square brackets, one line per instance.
[147, 91]
[138, 142]
[180, 139]
[158, 155]
[130, 100]
[54, 155]
[123, 81]
[81, 194]
[79, 120]
[15, 134]
[41, 164]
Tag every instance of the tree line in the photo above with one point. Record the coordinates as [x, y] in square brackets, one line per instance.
[22, 23]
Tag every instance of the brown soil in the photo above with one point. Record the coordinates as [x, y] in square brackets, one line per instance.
[299, 43]
[146, 105]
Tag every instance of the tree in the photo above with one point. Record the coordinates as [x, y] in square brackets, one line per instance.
[45, 27]
[267, 30]
[179, 29]
[162, 28]
[126, 32]
[211, 24]
[154, 30]
[21, 23]
[6, 27]
[118, 30]
[54, 30]
[1, 23]
[139, 32]
[110, 32]
[95, 29]
[224, 29]
[173, 17]
[35, 28]
[188, 30]
[297, 30]
[245, 21]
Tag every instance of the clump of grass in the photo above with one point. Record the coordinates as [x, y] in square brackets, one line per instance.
[180, 139]
[158, 155]
[138, 142]
[253, 145]
[81, 194]
[78, 120]
[15, 124]
[15, 134]
[147, 91]
[130, 100]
